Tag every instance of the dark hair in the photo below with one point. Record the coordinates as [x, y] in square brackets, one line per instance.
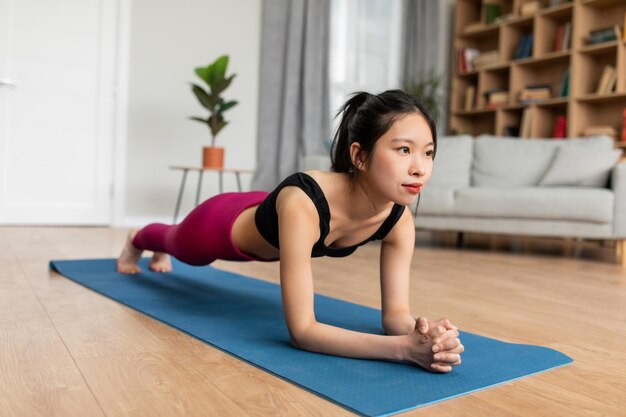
[366, 117]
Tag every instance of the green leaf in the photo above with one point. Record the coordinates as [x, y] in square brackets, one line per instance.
[202, 96]
[200, 119]
[219, 68]
[203, 73]
[225, 106]
[219, 126]
[220, 85]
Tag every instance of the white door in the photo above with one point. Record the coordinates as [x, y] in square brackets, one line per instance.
[57, 66]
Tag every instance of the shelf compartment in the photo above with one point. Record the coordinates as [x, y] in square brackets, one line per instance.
[474, 123]
[592, 67]
[525, 75]
[597, 113]
[544, 120]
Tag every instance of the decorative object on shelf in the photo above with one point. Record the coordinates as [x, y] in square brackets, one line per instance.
[427, 87]
[530, 8]
[214, 75]
[607, 80]
[560, 128]
[601, 130]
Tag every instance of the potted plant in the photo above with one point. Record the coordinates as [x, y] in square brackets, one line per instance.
[214, 75]
[427, 88]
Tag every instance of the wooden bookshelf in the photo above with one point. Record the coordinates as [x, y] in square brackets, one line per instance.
[543, 66]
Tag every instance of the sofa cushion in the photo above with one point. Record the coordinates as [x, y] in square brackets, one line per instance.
[453, 162]
[436, 200]
[565, 203]
[514, 162]
[578, 166]
[510, 162]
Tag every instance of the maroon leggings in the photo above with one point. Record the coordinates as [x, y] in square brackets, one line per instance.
[205, 234]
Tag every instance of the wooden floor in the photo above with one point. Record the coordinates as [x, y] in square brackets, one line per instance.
[67, 351]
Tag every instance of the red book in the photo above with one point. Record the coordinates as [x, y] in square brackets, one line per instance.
[559, 38]
[560, 128]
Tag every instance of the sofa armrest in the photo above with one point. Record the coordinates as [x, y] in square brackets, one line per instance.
[618, 184]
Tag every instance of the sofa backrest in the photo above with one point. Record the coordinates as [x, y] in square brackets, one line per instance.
[453, 162]
[513, 162]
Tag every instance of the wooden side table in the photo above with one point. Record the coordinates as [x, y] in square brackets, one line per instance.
[201, 171]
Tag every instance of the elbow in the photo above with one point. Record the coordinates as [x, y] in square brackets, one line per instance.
[299, 337]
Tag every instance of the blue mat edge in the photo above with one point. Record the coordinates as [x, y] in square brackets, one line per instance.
[53, 265]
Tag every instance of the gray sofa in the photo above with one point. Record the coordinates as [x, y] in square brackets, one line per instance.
[528, 187]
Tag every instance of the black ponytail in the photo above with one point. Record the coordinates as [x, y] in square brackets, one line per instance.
[366, 117]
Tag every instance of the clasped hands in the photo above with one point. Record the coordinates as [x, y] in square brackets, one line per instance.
[435, 345]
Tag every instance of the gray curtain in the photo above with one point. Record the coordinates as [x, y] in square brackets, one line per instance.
[293, 94]
[423, 46]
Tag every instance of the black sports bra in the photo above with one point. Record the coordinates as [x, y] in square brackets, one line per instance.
[266, 218]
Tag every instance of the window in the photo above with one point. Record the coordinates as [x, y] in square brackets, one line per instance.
[365, 39]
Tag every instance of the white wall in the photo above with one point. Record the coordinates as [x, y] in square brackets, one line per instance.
[168, 39]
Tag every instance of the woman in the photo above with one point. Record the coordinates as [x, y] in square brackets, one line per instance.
[383, 155]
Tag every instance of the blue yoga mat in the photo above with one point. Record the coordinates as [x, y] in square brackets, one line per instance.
[243, 316]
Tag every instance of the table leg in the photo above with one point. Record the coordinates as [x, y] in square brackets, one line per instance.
[180, 195]
[221, 182]
[238, 181]
[199, 186]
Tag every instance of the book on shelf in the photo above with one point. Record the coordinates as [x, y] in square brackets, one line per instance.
[601, 130]
[605, 34]
[491, 12]
[526, 123]
[607, 80]
[567, 37]
[485, 59]
[560, 128]
[496, 98]
[534, 93]
[524, 47]
[470, 98]
[564, 87]
[466, 59]
[558, 39]
[624, 35]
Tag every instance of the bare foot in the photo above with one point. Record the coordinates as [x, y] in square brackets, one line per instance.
[127, 262]
[160, 262]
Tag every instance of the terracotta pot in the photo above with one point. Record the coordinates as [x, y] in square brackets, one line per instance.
[212, 157]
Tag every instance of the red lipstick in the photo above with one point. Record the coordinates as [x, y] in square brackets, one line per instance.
[414, 188]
